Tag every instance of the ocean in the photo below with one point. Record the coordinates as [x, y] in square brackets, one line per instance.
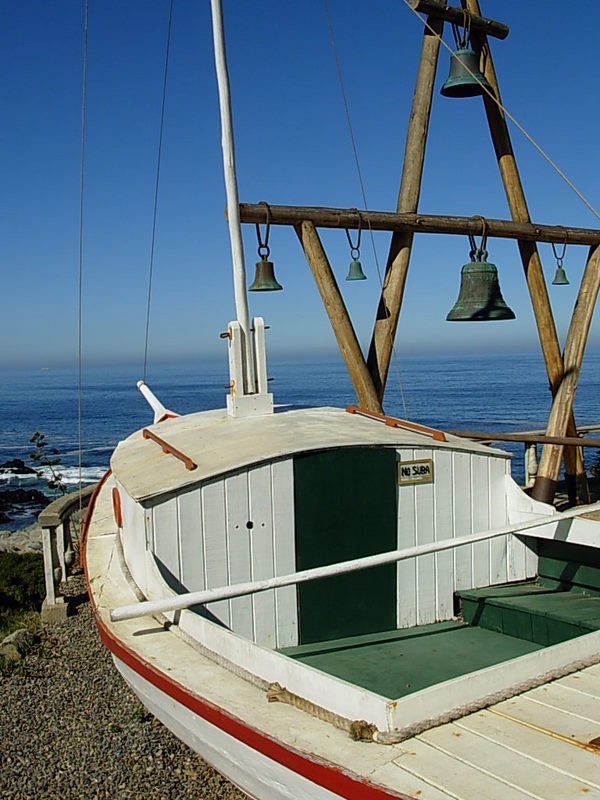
[499, 393]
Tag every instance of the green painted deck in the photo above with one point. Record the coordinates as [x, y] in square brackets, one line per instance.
[398, 663]
[498, 623]
[532, 611]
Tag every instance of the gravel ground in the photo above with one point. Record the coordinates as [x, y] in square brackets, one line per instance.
[72, 728]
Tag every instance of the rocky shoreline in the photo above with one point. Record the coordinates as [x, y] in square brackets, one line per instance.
[26, 540]
[72, 729]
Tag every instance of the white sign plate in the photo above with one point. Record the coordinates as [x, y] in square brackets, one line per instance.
[419, 471]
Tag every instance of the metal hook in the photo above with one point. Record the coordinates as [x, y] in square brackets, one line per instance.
[472, 242]
[355, 248]
[263, 246]
[462, 41]
[559, 259]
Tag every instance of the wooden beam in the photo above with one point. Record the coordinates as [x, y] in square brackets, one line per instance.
[527, 438]
[520, 213]
[352, 219]
[388, 311]
[562, 405]
[338, 316]
[486, 26]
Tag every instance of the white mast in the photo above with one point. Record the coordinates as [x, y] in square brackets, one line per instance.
[233, 213]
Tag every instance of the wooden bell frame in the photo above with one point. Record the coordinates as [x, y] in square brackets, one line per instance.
[369, 376]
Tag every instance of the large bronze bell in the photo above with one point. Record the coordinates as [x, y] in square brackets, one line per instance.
[461, 83]
[480, 298]
[264, 277]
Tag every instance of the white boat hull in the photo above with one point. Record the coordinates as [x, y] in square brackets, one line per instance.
[257, 775]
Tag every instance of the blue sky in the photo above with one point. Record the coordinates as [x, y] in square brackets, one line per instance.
[292, 146]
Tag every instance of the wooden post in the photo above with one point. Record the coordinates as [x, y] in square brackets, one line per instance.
[339, 317]
[528, 250]
[388, 312]
[562, 405]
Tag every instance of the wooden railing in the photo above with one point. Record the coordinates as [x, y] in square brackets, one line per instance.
[530, 440]
[60, 538]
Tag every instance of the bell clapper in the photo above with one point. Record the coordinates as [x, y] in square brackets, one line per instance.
[560, 276]
[355, 272]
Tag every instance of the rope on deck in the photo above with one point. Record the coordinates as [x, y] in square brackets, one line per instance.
[361, 730]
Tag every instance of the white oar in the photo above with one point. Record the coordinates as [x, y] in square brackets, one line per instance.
[239, 589]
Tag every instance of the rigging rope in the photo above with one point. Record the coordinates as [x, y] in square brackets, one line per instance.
[505, 111]
[156, 185]
[80, 287]
[363, 192]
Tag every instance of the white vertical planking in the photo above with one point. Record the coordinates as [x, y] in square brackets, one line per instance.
[261, 538]
[480, 482]
[425, 534]
[133, 537]
[166, 535]
[444, 529]
[498, 518]
[284, 551]
[214, 535]
[463, 522]
[407, 536]
[238, 547]
[191, 544]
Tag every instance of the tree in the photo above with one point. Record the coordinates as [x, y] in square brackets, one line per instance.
[46, 463]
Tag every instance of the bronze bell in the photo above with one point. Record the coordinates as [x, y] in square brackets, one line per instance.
[355, 273]
[461, 83]
[479, 298]
[264, 277]
[560, 277]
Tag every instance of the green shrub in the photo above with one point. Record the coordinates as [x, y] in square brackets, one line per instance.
[21, 581]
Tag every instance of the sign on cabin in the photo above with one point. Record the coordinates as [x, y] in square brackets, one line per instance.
[418, 471]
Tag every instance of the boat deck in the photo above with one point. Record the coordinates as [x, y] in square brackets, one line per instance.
[540, 744]
[398, 663]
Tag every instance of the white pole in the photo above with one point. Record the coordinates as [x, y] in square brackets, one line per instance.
[237, 590]
[233, 203]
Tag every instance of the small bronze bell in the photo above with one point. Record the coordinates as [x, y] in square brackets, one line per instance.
[479, 298]
[355, 273]
[461, 83]
[560, 277]
[264, 277]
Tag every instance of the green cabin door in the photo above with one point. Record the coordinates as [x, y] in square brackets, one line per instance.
[345, 507]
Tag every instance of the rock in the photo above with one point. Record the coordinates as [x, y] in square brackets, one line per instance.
[17, 467]
[10, 652]
[26, 540]
[22, 639]
[14, 500]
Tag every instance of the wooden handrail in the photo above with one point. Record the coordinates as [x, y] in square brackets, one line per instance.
[168, 448]
[394, 422]
[352, 218]
[179, 601]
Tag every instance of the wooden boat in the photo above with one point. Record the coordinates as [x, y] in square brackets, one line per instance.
[331, 603]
